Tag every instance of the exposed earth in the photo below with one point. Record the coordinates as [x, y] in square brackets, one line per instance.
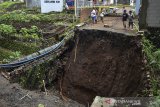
[106, 62]
[102, 62]
[114, 24]
[12, 95]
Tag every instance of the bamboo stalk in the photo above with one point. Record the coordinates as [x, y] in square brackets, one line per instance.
[44, 87]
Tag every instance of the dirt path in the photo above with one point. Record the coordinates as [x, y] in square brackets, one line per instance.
[114, 23]
[12, 95]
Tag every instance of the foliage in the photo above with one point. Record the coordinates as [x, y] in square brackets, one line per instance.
[148, 49]
[22, 16]
[156, 62]
[15, 38]
[34, 10]
[32, 33]
[17, 17]
[4, 54]
[10, 31]
[24, 48]
[11, 49]
[41, 105]
[6, 30]
[7, 55]
[5, 5]
[153, 58]
[155, 102]
[15, 55]
[152, 53]
[154, 89]
[34, 77]
[34, 29]
[154, 36]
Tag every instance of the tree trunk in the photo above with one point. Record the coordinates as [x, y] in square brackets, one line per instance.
[143, 15]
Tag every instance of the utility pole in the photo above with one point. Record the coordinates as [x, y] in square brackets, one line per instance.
[116, 2]
[138, 3]
[75, 8]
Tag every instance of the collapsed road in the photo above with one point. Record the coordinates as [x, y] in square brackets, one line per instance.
[106, 62]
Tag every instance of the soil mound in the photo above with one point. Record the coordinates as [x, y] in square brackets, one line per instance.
[103, 63]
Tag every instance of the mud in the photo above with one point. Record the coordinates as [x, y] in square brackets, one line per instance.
[40, 25]
[103, 63]
[12, 95]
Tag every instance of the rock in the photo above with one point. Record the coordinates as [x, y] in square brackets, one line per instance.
[105, 25]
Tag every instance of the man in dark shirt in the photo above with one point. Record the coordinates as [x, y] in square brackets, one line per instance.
[130, 18]
[124, 18]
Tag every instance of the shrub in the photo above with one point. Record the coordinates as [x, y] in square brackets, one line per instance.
[32, 33]
[6, 30]
[154, 36]
[6, 5]
[24, 48]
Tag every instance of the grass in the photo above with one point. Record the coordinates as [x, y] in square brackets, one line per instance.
[153, 62]
[4, 54]
[18, 41]
[24, 48]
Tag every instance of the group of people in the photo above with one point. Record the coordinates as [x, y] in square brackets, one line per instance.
[94, 15]
[127, 17]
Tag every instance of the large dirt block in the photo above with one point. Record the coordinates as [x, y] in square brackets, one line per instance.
[103, 63]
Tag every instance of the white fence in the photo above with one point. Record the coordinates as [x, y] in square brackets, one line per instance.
[85, 3]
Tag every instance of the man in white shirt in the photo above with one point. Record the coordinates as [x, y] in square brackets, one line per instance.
[93, 16]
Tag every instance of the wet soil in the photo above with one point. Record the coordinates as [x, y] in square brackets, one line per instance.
[40, 25]
[103, 63]
[53, 31]
[12, 95]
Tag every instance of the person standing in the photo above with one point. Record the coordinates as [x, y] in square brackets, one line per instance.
[131, 2]
[130, 19]
[123, 9]
[124, 18]
[102, 16]
[93, 16]
[66, 7]
[96, 16]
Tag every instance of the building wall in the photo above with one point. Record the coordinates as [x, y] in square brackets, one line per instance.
[153, 13]
[1, 1]
[84, 14]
